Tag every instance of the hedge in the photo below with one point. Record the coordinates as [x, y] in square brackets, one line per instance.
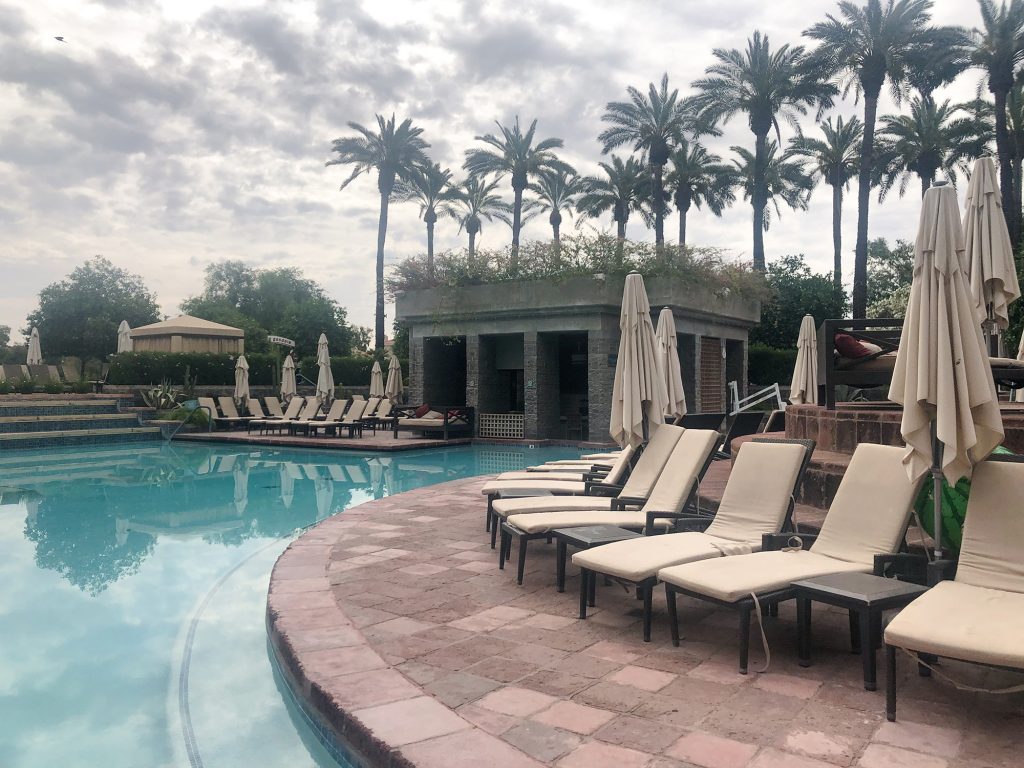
[767, 365]
[219, 370]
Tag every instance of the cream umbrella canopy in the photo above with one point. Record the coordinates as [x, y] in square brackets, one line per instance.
[325, 379]
[942, 376]
[638, 394]
[124, 337]
[288, 386]
[989, 255]
[376, 380]
[35, 352]
[241, 379]
[394, 387]
[240, 473]
[668, 357]
[804, 388]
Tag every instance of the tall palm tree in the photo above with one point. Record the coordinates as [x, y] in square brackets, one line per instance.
[928, 140]
[651, 124]
[622, 190]
[432, 188]
[866, 45]
[478, 202]
[514, 153]
[394, 151]
[942, 59]
[835, 160]
[762, 84]
[783, 178]
[1015, 127]
[999, 50]
[699, 178]
[557, 191]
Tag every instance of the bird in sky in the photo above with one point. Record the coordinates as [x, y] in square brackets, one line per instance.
[59, 38]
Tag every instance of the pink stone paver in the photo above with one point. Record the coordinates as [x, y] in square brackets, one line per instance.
[419, 658]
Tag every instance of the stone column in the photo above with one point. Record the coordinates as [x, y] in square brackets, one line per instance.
[414, 395]
[531, 427]
[548, 389]
[600, 382]
[473, 371]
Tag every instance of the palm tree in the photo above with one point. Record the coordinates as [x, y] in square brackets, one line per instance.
[835, 160]
[515, 153]
[999, 50]
[652, 124]
[557, 191]
[942, 59]
[394, 152]
[928, 140]
[623, 188]
[699, 178]
[866, 45]
[478, 203]
[1015, 127]
[431, 187]
[780, 178]
[762, 85]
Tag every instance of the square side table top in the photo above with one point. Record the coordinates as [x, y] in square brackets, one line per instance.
[593, 535]
[863, 588]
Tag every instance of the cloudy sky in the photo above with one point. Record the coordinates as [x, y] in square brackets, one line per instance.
[169, 134]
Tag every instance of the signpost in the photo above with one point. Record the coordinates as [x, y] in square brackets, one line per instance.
[279, 341]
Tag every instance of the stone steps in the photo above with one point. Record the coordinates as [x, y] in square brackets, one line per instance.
[59, 438]
[26, 407]
[67, 422]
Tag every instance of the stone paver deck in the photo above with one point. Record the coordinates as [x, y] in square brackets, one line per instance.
[381, 441]
[397, 629]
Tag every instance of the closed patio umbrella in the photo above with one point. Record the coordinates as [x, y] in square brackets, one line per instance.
[287, 483]
[668, 356]
[804, 388]
[325, 378]
[35, 352]
[288, 379]
[124, 337]
[241, 380]
[394, 387]
[942, 376]
[989, 255]
[323, 488]
[638, 393]
[376, 380]
[240, 474]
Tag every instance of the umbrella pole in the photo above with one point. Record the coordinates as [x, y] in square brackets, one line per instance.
[937, 491]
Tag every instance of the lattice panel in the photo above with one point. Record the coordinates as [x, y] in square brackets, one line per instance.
[712, 382]
[509, 426]
[493, 462]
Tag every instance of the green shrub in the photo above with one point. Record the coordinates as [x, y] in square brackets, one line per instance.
[81, 387]
[25, 386]
[154, 367]
[6, 387]
[767, 365]
[52, 387]
[201, 418]
[351, 371]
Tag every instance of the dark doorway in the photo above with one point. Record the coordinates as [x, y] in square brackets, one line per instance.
[444, 370]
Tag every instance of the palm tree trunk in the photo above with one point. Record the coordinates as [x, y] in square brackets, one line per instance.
[472, 245]
[926, 184]
[1011, 212]
[658, 204]
[620, 246]
[837, 235]
[867, 162]
[382, 231]
[1018, 162]
[556, 230]
[517, 223]
[683, 210]
[759, 199]
[430, 249]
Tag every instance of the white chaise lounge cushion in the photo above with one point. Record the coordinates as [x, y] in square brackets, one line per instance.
[535, 504]
[549, 521]
[525, 475]
[526, 487]
[640, 559]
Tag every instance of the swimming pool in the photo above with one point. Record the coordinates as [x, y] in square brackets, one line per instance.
[134, 592]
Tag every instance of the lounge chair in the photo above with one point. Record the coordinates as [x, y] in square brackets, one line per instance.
[333, 415]
[273, 405]
[758, 499]
[227, 407]
[675, 491]
[292, 412]
[308, 414]
[742, 424]
[633, 493]
[450, 420]
[776, 422]
[868, 517]
[208, 404]
[255, 411]
[701, 421]
[352, 420]
[978, 617]
[13, 372]
[381, 417]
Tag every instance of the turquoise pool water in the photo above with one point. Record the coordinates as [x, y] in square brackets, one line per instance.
[116, 565]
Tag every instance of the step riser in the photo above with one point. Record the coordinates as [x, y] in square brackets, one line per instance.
[66, 440]
[63, 410]
[100, 422]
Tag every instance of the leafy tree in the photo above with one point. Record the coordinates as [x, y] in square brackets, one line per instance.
[795, 291]
[699, 178]
[80, 314]
[478, 203]
[783, 178]
[557, 191]
[5, 335]
[763, 85]
[431, 187]
[889, 269]
[834, 160]
[652, 125]
[621, 190]
[394, 152]
[999, 50]
[279, 301]
[928, 140]
[515, 154]
[867, 45]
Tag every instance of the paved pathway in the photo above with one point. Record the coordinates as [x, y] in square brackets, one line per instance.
[399, 630]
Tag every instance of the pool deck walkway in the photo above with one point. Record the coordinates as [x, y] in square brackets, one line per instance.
[382, 441]
[395, 626]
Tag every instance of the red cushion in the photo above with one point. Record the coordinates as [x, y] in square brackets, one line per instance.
[421, 411]
[850, 348]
